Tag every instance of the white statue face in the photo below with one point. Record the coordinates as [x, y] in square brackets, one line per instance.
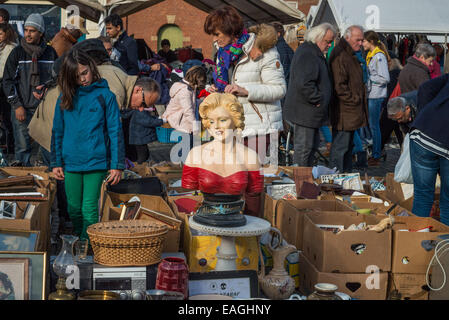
[221, 124]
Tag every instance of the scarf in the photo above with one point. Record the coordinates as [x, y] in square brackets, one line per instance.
[225, 56]
[362, 61]
[371, 54]
[35, 51]
[2, 46]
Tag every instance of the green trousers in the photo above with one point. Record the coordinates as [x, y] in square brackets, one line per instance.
[83, 191]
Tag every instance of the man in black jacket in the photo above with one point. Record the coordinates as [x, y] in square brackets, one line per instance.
[125, 45]
[27, 69]
[309, 92]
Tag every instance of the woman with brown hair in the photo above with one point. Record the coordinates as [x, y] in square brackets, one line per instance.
[377, 61]
[248, 66]
[87, 138]
[7, 43]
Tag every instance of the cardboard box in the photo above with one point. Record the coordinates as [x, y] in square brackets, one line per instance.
[289, 216]
[403, 193]
[155, 203]
[360, 286]
[409, 256]
[46, 187]
[19, 223]
[331, 252]
[409, 286]
[200, 250]
[181, 215]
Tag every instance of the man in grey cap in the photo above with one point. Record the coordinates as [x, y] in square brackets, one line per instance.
[27, 69]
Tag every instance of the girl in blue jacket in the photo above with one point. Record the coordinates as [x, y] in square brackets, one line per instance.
[87, 138]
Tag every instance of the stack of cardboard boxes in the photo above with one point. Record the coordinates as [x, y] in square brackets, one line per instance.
[39, 220]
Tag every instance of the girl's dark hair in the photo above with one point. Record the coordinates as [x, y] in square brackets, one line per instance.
[68, 75]
[227, 20]
[373, 37]
[6, 28]
[196, 76]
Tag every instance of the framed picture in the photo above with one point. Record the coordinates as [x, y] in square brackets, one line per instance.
[241, 284]
[129, 211]
[12, 240]
[14, 282]
[331, 227]
[148, 214]
[34, 275]
[8, 209]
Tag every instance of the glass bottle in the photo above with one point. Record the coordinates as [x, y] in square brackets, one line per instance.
[64, 265]
[324, 291]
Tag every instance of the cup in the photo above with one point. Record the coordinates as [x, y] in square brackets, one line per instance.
[81, 247]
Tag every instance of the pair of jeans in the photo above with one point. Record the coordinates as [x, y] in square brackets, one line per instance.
[374, 109]
[425, 166]
[22, 140]
[341, 150]
[306, 143]
[83, 191]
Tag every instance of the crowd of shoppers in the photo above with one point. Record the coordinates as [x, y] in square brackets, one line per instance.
[98, 98]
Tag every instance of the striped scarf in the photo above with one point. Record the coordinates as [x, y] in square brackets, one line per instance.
[227, 55]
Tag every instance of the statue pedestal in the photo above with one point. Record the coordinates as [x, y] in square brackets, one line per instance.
[227, 253]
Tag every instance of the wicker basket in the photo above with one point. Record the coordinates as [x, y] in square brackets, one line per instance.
[127, 242]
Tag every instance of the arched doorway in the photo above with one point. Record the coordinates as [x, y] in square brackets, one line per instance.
[171, 32]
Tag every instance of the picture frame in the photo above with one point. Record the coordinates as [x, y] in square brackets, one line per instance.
[8, 209]
[148, 214]
[14, 282]
[19, 240]
[37, 271]
[331, 227]
[240, 284]
[129, 210]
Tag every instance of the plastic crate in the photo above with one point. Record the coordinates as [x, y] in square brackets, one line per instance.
[163, 135]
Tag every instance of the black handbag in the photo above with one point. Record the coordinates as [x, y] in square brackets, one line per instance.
[151, 186]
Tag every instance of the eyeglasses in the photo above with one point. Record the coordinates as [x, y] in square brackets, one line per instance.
[143, 104]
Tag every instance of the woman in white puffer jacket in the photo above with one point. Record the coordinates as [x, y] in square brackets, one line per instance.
[258, 81]
[248, 66]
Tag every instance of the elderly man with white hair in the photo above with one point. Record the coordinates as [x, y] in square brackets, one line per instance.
[309, 92]
[349, 106]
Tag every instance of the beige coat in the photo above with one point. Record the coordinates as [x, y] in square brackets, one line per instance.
[4, 54]
[41, 124]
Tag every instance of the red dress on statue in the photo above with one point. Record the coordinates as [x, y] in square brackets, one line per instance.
[248, 183]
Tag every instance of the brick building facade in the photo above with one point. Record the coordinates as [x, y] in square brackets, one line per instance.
[149, 23]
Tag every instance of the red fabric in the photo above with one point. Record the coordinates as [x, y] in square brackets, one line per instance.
[435, 70]
[203, 93]
[209, 182]
[396, 92]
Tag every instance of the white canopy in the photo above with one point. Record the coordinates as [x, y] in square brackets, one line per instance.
[386, 16]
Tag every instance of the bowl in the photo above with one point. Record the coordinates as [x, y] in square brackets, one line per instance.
[98, 295]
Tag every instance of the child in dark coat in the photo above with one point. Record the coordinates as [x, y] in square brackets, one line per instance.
[142, 124]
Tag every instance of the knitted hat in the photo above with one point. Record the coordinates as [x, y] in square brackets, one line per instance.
[35, 20]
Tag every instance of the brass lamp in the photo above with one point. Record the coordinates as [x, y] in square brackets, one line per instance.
[63, 267]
